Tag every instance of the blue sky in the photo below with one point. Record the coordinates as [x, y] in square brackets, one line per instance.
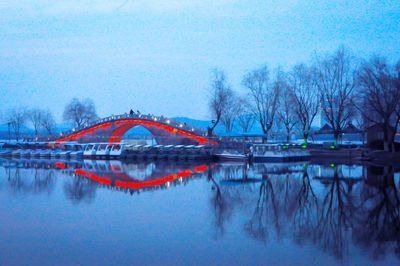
[156, 56]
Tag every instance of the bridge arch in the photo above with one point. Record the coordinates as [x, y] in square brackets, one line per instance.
[113, 129]
[139, 132]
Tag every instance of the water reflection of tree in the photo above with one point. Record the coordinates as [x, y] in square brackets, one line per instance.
[375, 222]
[379, 226]
[31, 180]
[219, 205]
[225, 199]
[266, 210]
[306, 211]
[17, 183]
[79, 189]
[329, 211]
[44, 181]
[335, 216]
[288, 194]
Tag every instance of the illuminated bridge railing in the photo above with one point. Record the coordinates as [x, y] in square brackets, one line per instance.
[148, 117]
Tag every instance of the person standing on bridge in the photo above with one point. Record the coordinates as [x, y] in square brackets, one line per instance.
[131, 112]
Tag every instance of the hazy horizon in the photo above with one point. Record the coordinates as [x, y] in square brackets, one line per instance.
[156, 56]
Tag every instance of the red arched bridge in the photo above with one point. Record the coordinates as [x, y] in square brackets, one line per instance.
[113, 128]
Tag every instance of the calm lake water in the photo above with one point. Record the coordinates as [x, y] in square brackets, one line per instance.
[111, 212]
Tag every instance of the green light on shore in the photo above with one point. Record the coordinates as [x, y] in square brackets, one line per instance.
[285, 146]
[333, 147]
[304, 146]
[332, 165]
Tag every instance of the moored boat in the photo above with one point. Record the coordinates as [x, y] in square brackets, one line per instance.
[231, 156]
[278, 153]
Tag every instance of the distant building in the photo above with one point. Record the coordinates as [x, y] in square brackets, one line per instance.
[351, 129]
[375, 136]
[325, 129]
[349, 134]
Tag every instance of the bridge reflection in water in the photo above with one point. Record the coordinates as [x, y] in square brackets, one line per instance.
[117, 174]
[336, 209]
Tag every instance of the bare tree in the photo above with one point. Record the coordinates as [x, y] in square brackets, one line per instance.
[230, 114]
[336, 83]
[245, 116]
[265, 93]
[48, 122]
[220, 94]
[79, 112]
[379, 90]
[286, 113]
[35, 117]
[16, 119]
[304, 95]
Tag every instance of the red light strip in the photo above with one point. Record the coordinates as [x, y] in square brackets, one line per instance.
[60, 165]
[153, 183]
[129, 123]
[84, 132]
[101, 180]
[118, 133]
[200, 168]
[141, 184]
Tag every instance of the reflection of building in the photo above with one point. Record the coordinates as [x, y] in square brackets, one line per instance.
[128, 177]
[338, 171]
[380, 176]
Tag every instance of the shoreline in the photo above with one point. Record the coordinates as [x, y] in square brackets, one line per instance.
[361, 156]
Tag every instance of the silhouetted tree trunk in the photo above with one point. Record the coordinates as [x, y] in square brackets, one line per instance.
[35, 117]
[286, 112]
[220, 93]
[265, 93]
[48, 122]
[245, 116]
[304, 95]
[336, 83]
[230, 114]
[379, 94]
